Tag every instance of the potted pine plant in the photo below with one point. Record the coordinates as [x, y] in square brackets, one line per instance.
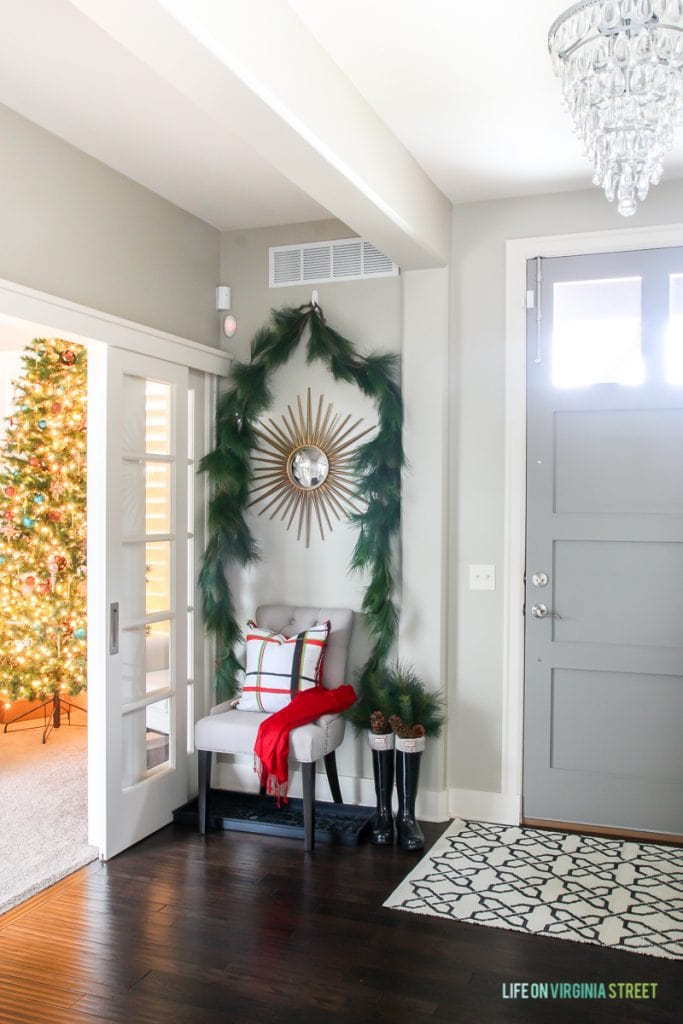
[398, 713]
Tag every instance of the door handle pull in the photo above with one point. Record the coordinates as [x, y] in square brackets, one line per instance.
[540, 611]
[114, 627]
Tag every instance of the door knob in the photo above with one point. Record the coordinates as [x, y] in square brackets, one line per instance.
[539, 611]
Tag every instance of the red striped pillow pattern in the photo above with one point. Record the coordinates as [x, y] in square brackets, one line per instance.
[278, 667]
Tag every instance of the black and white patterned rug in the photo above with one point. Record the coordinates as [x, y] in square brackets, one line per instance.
[611, 892]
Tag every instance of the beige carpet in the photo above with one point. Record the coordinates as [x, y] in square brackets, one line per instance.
[43, 810]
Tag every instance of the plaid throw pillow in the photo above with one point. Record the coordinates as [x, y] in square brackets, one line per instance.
[278, 667]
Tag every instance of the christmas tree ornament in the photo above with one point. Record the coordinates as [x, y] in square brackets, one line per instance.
[28, 522]
[80, 633]
[38, 499]
[56, 407]
[10, 492]
[68, 357]
[42, 424]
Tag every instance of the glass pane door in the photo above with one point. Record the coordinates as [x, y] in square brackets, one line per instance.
[149, 553]
[143, 493]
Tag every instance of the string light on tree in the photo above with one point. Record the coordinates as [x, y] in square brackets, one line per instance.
[43, 526]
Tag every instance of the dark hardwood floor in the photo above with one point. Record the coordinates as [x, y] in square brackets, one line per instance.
[246, 928]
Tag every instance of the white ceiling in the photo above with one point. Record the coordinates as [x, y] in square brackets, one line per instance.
[467, 88]
[472, 98]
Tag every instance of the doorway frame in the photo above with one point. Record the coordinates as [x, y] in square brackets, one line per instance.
[517, 252]
[84, 324]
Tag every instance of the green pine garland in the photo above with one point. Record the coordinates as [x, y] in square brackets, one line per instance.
[377, 463]
[398, 690]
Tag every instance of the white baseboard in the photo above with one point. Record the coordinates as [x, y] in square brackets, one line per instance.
[478, 805]
[431, 805]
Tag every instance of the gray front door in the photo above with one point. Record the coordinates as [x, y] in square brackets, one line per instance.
[603, 709]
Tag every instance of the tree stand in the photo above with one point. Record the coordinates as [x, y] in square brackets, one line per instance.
[53, 720]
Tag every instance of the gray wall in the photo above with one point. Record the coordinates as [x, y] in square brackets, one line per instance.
[477, 433]
[76, 229]
[369, 314]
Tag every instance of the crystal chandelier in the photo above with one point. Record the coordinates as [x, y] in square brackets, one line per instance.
[621, 64]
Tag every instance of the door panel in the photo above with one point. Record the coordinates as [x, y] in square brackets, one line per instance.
[595, 452]
[582, 701]
[616, 592]
[604, 665]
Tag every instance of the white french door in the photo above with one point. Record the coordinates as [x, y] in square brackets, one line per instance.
[149, 423]
[140, 601]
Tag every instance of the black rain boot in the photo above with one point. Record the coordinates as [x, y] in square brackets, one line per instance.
[383, 769]
[408, 756]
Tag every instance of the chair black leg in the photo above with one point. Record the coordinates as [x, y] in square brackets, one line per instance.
[332, 777]
[308, 773]
[204, 759]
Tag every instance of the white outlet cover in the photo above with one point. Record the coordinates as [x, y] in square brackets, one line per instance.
[482, 577]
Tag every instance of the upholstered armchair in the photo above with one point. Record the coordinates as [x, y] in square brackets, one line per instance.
[227, 730]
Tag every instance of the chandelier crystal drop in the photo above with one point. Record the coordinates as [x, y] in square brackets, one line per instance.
[621, 65]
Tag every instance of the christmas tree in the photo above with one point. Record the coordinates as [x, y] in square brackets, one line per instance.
[43, 526]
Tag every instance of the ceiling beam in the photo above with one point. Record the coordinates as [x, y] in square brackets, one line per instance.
[256, 70]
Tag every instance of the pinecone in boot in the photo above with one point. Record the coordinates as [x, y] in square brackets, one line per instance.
[406, 732]
[379, 724]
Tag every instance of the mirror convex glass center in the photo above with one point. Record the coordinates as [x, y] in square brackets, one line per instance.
[308, 467]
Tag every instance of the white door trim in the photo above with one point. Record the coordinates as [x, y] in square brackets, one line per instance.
[517, 252]
[84, 323]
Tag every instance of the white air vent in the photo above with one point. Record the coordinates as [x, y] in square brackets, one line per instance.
[346, 259]
[285, 266]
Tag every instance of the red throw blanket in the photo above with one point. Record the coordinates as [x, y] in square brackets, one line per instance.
[271, 749]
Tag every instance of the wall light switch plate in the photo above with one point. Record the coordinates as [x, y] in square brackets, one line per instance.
[482, 577]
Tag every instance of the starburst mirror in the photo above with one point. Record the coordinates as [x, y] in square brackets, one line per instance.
[303, 467]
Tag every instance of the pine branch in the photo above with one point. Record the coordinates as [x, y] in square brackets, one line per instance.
[377, 465]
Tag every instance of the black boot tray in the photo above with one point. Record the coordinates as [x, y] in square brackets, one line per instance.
[344, 824]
